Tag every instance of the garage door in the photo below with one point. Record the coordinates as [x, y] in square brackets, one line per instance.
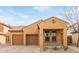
[17, 39]
[32, 39]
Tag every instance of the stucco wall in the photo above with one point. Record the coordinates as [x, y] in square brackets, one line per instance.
[15, 32]
[3, 34]
[74, 38]
[31, 29]
[5, 31]
[58, 24]
[2, 39]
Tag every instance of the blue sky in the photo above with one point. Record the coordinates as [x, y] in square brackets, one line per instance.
[24, 15]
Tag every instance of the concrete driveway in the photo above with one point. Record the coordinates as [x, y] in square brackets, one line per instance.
[19, 49]
[33, 49]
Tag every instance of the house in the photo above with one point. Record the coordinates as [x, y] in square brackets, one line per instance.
[75, 38]
[74, 32]
[52, 30]
[4, 38]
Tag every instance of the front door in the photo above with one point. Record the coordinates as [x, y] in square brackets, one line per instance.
[54, 38]
[50, 37]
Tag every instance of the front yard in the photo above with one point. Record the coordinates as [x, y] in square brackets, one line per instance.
[34, 49]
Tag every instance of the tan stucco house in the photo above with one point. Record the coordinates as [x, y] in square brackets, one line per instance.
[75, 38]
[4, 38]
[52, 30]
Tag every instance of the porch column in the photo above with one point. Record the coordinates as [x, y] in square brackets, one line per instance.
[24, 39]
[11, 38]
[41, 39]
[58, 38]
[65, 38]
[50, 40]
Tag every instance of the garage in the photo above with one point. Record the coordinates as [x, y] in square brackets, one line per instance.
[32, 39]
[17, 39]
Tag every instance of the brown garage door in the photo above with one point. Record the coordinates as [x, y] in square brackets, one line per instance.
[17, 39]
[32, 39]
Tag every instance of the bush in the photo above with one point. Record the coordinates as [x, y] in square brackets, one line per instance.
[65, 48]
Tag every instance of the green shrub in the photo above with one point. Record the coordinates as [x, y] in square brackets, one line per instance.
[65, 48]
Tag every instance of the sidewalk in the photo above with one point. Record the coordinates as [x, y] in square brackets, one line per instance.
[74, 48]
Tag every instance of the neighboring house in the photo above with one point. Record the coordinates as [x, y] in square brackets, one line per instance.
[52, 30]
[74, 33]
[4, 38]
[69, 35]
[75, 38]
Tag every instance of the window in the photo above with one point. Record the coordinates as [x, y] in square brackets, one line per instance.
[47, 36]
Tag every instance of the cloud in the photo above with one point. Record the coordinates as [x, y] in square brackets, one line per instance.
[5, 17]
[42, 8]
[26, 17]
[20, 22]
[12, 12]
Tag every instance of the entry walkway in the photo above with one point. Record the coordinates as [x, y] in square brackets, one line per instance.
[71, 49]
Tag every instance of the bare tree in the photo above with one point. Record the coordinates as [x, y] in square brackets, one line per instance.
[72, 14]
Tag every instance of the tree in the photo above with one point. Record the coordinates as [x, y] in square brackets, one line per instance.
[72, 14]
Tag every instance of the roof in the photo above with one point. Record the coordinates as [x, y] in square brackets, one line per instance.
[60, 19]
[19, 28]
[3, 34]
[55, 18]
[6, 25]
[37, 22]
[16, 28]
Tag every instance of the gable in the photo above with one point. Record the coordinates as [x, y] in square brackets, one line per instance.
[53, 23]
[50, 23]
[32, 29]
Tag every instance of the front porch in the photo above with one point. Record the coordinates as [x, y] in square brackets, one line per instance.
[53, 38]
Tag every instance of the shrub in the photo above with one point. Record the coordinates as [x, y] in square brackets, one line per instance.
[65, 48]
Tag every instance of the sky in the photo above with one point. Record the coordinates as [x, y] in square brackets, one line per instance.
[25, 15]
